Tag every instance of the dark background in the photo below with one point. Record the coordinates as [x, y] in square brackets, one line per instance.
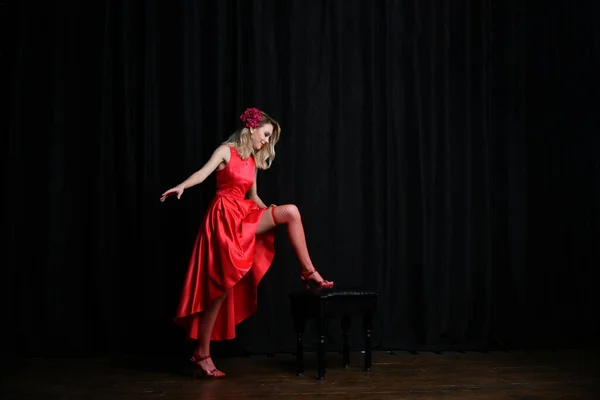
[443, 153]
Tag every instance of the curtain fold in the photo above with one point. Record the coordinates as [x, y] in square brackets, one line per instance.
[441, 153]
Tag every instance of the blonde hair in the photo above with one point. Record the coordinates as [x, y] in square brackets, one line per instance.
[264, 157]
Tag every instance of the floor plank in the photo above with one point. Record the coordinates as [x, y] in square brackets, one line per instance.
[520, 375]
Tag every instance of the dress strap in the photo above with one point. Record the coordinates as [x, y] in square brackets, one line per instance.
[233, 151]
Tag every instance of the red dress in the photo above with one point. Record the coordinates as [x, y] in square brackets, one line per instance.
[227, 256]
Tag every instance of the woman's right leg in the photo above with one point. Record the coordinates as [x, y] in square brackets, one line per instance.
[206, 324]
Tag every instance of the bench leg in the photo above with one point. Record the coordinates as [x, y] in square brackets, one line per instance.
[368, 325]
[346, 347]
[299, 324]
[321, 348]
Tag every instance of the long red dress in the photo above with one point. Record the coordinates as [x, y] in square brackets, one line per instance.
[227, 256]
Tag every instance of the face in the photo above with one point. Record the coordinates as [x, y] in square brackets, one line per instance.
[261, 135]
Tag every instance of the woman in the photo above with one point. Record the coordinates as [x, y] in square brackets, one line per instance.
[235, 243]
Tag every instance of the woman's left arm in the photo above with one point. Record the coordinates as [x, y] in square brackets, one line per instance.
[253, 192]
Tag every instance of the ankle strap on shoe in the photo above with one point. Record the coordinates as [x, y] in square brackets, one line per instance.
[307, 274]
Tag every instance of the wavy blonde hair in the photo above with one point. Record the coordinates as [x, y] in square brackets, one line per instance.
[264, 157]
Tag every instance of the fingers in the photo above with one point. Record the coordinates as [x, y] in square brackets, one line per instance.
[165, 195]
[171, 192]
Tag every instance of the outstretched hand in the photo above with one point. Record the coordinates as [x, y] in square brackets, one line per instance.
[178, 190]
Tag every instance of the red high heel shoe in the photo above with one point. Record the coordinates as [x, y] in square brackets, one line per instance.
[214, 373]
[320, 284]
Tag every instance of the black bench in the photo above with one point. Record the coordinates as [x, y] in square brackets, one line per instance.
[322, 304]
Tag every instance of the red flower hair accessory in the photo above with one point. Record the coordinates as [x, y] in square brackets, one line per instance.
[251, 118]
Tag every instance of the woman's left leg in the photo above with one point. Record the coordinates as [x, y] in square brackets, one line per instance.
[290, 216]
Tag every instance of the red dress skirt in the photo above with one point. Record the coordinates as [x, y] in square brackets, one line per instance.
[228, 256]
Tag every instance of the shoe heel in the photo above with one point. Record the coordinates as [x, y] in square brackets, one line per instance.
[214, 374]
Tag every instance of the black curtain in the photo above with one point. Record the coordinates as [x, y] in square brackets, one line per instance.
[443, 153]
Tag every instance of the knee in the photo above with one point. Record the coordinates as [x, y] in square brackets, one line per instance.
[294, 212]
[287, 213]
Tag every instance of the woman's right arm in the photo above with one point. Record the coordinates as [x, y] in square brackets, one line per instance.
[221, 154]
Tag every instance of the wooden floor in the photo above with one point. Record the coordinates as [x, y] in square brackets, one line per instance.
[521, 375]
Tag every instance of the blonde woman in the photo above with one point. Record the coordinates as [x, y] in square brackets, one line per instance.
[235, 243]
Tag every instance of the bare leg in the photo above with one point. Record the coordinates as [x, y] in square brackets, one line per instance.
[290, 216]
[206, 324]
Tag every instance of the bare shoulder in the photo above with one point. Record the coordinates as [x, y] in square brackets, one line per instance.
[223, 154]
